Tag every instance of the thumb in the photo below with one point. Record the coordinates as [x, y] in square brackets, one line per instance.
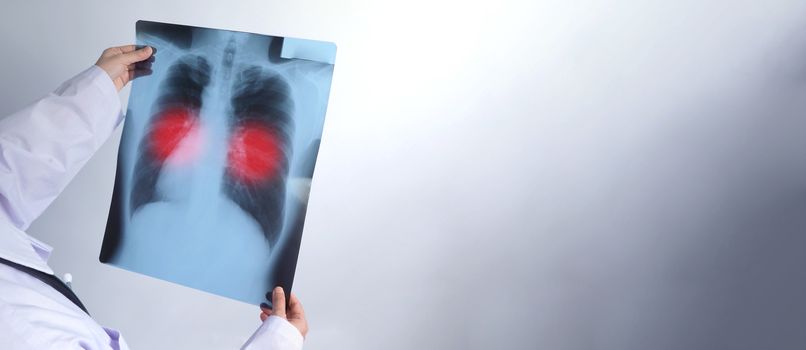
[136, 55]
[278, 302]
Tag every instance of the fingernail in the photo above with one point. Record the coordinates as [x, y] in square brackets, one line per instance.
[278, 289]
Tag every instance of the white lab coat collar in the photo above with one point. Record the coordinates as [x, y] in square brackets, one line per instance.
[19, 247]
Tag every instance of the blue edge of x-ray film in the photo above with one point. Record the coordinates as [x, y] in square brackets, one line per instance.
[311, 50]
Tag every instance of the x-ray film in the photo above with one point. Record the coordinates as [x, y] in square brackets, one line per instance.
[216, 159]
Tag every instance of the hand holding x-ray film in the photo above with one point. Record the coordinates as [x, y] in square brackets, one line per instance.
[216, 160]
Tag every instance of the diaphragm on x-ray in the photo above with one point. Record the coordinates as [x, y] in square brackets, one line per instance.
[216, 159]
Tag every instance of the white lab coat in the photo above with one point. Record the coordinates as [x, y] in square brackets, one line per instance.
[41, 148]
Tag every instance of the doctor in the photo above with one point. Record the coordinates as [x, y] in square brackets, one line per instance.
[41, 148]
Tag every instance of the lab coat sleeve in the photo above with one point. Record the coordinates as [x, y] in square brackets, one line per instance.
[275, 334]
[44, 145]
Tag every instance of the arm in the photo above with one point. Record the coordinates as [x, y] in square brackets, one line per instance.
[43, 146]
[281, 329]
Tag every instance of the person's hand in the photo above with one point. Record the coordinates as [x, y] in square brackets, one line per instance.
[294, 314]
[120, 63]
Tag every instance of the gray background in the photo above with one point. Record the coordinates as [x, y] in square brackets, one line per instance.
[494, 175]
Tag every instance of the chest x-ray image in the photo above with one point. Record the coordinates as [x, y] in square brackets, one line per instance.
[216, 159]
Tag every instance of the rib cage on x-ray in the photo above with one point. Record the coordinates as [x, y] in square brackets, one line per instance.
[258, 97]
[262, 97]
[183, 88]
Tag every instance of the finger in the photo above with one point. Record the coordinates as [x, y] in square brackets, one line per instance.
[278, 302]
[265, 308]
[130, 48]
[126, 48]
[263, 317]
[148, 61]
[295, 309]
[136, 55]
[117, 50]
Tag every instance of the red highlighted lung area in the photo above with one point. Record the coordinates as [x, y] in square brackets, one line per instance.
[170, 129]
[255, 153]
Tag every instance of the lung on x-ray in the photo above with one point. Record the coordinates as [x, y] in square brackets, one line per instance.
[216, 159]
